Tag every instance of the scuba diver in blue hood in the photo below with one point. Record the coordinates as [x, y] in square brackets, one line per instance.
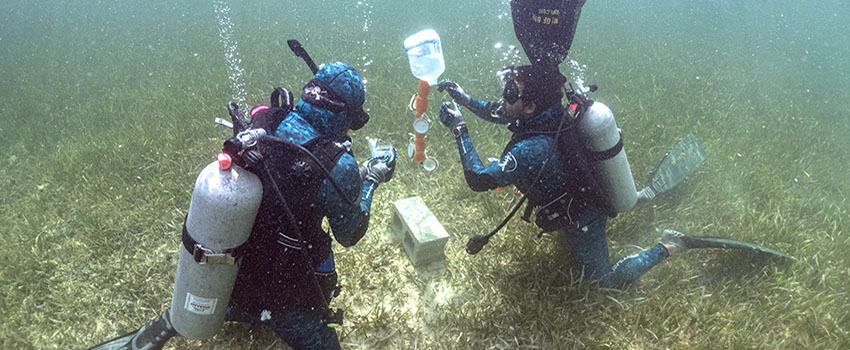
[279, 270]
[253, 246]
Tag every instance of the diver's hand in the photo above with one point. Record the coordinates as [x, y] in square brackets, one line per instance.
[454, 90]
[381, 168]
[450, 115]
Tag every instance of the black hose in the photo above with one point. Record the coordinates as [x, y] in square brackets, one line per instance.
[477, 242]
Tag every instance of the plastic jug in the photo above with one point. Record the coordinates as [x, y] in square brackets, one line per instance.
[425, 54]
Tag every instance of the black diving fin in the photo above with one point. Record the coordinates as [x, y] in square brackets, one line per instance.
[693, 242]
[679, 162]
[726, 243]
[152, 336]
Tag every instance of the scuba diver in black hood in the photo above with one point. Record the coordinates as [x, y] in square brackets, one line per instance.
[543, 159]
[571, 167]
[550, 178]
[273, 287]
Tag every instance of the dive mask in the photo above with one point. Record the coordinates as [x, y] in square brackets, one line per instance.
[319, 94]
[510, 90]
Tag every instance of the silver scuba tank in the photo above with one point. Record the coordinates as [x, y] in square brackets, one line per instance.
[222, 211]
[610, 168]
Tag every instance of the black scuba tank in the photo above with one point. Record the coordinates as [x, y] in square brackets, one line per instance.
[545, 28]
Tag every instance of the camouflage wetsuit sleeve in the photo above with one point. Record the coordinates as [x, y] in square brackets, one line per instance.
[518, 165]
[486, 110]
[348, 223]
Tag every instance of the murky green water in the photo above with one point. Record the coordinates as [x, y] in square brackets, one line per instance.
[107, 112]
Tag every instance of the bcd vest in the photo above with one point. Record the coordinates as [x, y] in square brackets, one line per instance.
[273, 273]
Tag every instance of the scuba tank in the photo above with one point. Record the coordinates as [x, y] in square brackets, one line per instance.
[224, 205]
[603, 143]
[222, 211]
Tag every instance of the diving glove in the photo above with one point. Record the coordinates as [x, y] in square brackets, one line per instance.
[450, 115]
[454, 90]
[381, 168]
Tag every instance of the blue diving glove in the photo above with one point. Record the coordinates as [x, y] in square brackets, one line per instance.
[454, 90]
[381, 168]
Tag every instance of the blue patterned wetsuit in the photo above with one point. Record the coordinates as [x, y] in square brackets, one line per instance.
[519, 165]
[274, 285]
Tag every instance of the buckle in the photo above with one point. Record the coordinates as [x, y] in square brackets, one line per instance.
[205, 256]
[332, 318]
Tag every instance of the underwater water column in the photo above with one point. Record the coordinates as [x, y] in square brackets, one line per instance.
[231, 52]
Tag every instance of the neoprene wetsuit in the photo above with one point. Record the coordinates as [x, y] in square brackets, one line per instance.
[276, 284]
[519, 166]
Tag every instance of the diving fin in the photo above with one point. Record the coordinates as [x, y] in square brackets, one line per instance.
[121, 342]
[152, 336]
[692, 242]
[679, 162]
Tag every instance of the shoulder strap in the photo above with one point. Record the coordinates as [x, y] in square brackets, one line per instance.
[269, 118]
[281, 98]
[327, 149]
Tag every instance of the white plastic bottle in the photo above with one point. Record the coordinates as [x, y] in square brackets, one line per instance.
[425, 54]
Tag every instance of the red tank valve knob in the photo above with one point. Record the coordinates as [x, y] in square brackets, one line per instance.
[224, 161]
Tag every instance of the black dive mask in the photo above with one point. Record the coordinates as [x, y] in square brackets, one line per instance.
[359, 118]
[507, 78]
[319, 94]
[511, 93]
